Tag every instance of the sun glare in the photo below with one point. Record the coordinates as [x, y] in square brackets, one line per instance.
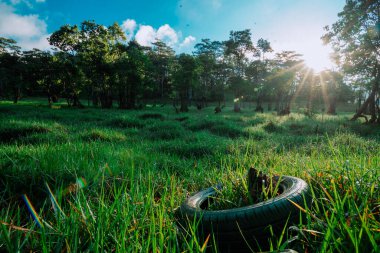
[318, 59]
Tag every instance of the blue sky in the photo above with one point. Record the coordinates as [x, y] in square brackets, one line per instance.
[287, 24]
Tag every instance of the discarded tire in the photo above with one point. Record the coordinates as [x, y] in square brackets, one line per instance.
[250, 225]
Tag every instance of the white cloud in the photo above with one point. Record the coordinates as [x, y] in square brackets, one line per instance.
[146, 35]
[188, 41]
[129, 27]
[167, 34]
[40, 43]
[28, 30]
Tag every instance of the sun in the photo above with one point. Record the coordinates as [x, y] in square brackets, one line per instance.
[318, 59]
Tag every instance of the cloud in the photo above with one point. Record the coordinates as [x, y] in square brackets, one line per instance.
[26, 2]
[129, 27]
[146, 35]
[167, 34]
[188, 41]
[28, 30]
[40, 43]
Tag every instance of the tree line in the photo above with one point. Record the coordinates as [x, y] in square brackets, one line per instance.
[97, 63]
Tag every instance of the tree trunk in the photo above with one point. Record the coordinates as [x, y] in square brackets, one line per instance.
[372, 110]
[106, 99]
[122, 99]
[95, 98]
[370, 102]
[49, 96]
[270, 105]
[131, 98]
[332, 106]
[17, 94]
[76, 101]
[237, 104]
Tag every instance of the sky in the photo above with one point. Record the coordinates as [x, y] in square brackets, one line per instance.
[287, 24]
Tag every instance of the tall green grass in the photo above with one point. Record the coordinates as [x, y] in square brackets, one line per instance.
[140, 166]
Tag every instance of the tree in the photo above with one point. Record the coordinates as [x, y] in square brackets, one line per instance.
[44, 72]
[333, 89]
[260, 71]
[161, 57]
[11, 67]
[237, 49]
[184, 78]
[130, 70]
[8, 45]
[284, 78]
[96, 47]
[356, 41]
[71, 77]
[211, 71]
[263, 47]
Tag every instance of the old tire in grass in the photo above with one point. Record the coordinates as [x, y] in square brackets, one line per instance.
[249, 226]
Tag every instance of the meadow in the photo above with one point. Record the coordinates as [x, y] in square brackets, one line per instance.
[136, 167]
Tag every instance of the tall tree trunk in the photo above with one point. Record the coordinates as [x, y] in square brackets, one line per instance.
[370, 102]
[259, 107]
[17, 94]
[131, 98]
[277, 104]
[76, 101]
[122, 99]
[106, 99]
[332, 106]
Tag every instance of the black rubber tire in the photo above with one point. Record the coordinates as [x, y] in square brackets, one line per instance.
[253, 220]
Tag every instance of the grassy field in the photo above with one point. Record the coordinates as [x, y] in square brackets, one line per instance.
[117, 176]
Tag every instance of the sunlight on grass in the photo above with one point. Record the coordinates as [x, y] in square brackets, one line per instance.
[138, 173]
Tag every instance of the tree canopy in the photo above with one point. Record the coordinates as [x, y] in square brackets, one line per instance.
[356, 41]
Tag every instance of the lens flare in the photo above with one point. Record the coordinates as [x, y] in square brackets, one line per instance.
[32, 211]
